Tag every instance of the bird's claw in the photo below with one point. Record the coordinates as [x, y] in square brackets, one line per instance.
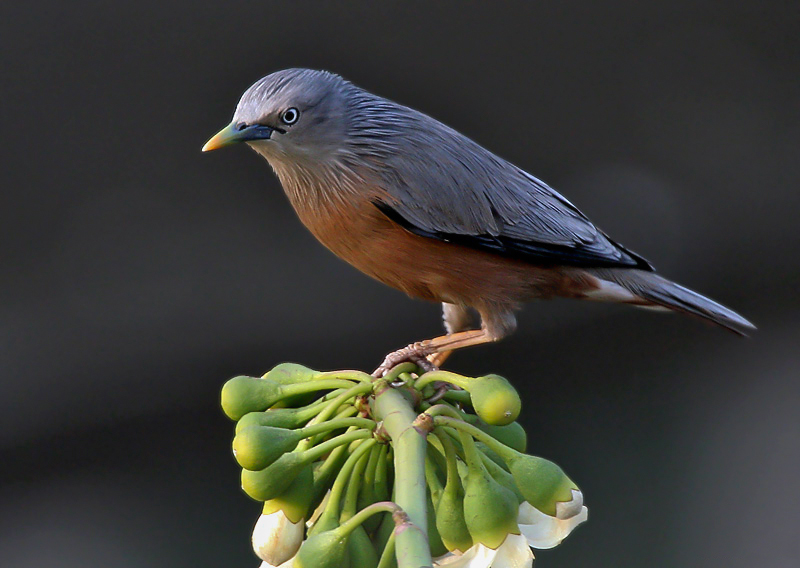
[416, 353]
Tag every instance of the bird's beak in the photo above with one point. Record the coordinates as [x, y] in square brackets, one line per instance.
[234, 133]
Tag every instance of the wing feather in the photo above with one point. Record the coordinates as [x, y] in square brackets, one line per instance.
[455, 190]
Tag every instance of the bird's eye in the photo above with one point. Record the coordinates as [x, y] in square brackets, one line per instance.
[290, 116]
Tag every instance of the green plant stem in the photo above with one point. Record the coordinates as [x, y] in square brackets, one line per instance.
[344, 412]
[333, 406]
[453, 478]
[432, 478]
[498, 447]
[327, 470]
[352, 375]
[350, 524]
[332, 510]
[400, 369]
[313, 386]
[318, 451]
[353, 486]
[460, 396]
[442, 376]
[387, 556]
[409, 461]
[337, 424]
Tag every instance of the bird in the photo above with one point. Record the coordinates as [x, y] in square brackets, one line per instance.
[424, 209]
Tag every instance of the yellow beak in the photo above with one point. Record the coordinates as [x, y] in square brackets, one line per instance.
[224, 137]
[235, 133]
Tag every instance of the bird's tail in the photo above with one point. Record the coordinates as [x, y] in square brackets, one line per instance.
[648, 289]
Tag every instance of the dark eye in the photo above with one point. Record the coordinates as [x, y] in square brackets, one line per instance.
[290, 116]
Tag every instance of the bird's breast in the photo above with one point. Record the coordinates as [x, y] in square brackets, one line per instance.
[358, 232]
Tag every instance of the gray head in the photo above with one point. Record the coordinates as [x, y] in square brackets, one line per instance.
[294, 114]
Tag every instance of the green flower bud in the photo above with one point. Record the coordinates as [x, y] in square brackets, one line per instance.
[295, 502]
[259, 446]
[490, 510]
[241, 395]
[495, 400]
[360, 550]
[450, 521]
[272, 481]
[541, 482]
[323, 550]
[291, 373]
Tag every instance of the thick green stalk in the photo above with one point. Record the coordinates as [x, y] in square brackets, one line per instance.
[409, 462]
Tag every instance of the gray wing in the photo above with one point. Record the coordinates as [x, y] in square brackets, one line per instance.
[443, 185]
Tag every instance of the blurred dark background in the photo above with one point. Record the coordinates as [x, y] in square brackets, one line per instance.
[139, 274]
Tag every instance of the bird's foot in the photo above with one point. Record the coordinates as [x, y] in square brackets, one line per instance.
[416, 353]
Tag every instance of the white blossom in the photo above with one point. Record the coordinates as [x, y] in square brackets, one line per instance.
[513, 553]
[276, 539]
[544, 531]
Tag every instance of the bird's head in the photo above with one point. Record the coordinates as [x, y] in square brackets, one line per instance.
[291, 115]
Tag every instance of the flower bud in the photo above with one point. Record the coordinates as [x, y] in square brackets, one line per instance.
[450, 519]
[241, 395]
[495, 400]
[490, 510]
[276, 538]
[295, 501]
[272, 481]
[322, 550]
[290, 418]
[541, 482]
[290, 373]
[361, 552]
[259, 446]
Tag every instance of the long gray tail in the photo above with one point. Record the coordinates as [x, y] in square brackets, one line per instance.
[650, 289]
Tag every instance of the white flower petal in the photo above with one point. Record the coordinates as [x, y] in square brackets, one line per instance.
[288, 564]
[514, 553]
[566, 510]
[478, 556]
[276, 539]
[544, 531]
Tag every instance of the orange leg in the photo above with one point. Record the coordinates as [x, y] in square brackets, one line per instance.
[430, 352]
[438, 359]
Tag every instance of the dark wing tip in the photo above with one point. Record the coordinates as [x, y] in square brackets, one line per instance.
[541, 253]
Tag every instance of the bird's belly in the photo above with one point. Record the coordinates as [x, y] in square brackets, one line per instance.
[431, 269]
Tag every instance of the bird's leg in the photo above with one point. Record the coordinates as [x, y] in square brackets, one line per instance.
[438, 359]
[419, 351]
[456, 317]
